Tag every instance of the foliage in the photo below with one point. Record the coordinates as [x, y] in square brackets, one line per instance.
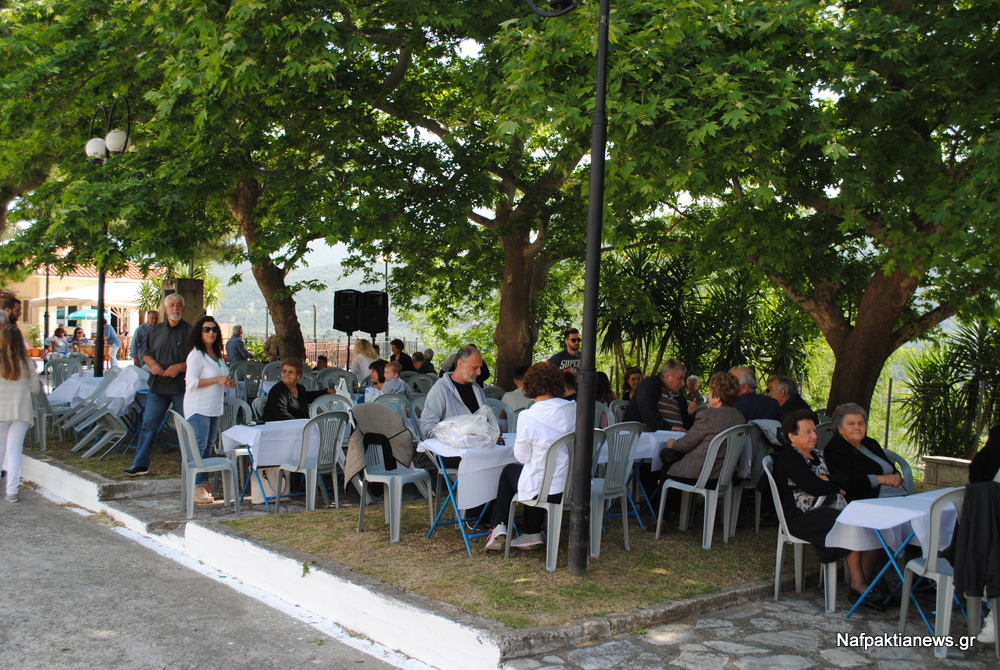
[34, 335]
[255, 345]
[954, 390]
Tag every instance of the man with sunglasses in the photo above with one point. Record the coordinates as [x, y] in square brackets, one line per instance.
[166, 355]
[569, 357]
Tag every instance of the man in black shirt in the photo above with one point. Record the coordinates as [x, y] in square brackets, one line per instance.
[166, 355]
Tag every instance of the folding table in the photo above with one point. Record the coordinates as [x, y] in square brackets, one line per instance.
[890, 523]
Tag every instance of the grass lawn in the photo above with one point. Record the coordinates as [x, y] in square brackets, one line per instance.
[163, 462]
[518, 591]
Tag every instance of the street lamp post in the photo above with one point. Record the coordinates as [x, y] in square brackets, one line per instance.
[587, 377]
[98, 150]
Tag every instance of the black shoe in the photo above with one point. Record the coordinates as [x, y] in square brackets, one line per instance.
[136, 471]
[3, 473]
[871, 601]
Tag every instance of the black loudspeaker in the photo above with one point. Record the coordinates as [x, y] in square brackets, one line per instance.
[374, 312]
[347, 311]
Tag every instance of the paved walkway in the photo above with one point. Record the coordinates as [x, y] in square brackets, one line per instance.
[792, 634]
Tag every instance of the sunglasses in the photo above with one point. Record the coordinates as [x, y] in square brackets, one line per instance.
[575, 339]
[210, 329]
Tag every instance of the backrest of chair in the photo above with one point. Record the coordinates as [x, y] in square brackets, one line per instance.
[62, 369]
[324, 376]
[251, 375]
[600, 409]
[417, 404]
[334, 379]
[618, 407]
[623, 441]
[271, 372]
[41, 400]
[236, 369]
[77, 356]
[188, 441]
[259, 403]
[400, 406]
[499, 406]
[759, 447]
[308, 381]
[330, 427]
[734, 438]
[937, 508]
[234, 413]
[564, 444]
[824, 433]
[329, 403]
[491, 391]
[600, 442]
[407, 376]
[421, 383]
[904, 468]
[768, 464]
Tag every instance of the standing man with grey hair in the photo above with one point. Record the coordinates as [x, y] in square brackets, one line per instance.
[141, 336]
[236, 351]
[166, 355]
[658, 402]
[751, 404]
[456, 393]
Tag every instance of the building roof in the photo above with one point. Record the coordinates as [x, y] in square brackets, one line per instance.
[132, 271]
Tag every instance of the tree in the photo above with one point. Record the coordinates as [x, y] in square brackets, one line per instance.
[848, 150]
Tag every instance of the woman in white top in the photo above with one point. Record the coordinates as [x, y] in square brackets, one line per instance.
[18, 381]
[205, 384]
[539, 426]
[364, 356]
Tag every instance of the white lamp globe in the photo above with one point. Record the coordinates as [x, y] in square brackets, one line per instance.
[95, 149]
[117, 141]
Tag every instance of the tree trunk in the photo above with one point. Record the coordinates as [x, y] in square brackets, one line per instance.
[525, 273]
[270, 278]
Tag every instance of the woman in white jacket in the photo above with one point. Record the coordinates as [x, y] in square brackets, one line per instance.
[549, 418]
[205, 384]
[18, 381]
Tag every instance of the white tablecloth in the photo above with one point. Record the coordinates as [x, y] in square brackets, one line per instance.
[273, 443]
[479, 471]
[650, 445]
[74, 390]
[894, 517]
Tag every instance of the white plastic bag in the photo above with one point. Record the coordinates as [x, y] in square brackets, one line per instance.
[470, 431]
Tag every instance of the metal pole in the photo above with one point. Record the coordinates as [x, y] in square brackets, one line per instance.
[315, 341]
[579, 526]
[46, 316]
[888, 414]
[99, 339]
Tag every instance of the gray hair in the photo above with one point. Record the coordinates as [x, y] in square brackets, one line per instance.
[173, 296]
[237, 330]
[672, 365]
[429, 354]
[694, 377]
[465, 352]
[842, 411]
[786, 384]
[745, 376]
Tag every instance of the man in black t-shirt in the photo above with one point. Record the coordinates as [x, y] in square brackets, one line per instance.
[569, 358]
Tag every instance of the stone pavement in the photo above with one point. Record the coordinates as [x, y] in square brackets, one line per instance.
[792, 634]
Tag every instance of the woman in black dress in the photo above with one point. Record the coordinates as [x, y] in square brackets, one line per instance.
[289, 399]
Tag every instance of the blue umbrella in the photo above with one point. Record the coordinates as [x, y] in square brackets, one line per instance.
[89, 314]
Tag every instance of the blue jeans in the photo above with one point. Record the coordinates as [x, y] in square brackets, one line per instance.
[206, 428]
[152, 418]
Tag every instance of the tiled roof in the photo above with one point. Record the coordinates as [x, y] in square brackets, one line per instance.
[90, 272]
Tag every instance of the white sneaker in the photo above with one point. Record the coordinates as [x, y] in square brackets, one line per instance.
[528, 541]
[987, 634]
[498, 538]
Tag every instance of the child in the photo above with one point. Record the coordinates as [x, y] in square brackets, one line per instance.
[393, 384]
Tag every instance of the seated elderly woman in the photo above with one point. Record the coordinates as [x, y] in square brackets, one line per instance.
[870, 472]
[289, 399]
[684, 457]
[538, 427]
[58, 343]
[812, 496]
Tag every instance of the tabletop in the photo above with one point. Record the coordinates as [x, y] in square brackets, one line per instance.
[271, 443]
[894, 518]
[479, 470]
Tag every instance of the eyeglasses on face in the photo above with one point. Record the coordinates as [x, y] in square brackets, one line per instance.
[210, 329]
[575, 339]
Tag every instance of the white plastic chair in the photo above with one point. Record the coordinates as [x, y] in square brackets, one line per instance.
[332, 379]
[905, 468]
[400, 406]
[500, 407]
[192, 463]
[491, 391]
[824, 433]
[734, 438]
[271, 372]
[799, 545]
[392, 496]
[554, 510]
[422, 383]
[329, 403]
[622, 440]
[60, 369]
[329, 427]
[759, 447]
[602, 410]
[618, 407]
[935, 568]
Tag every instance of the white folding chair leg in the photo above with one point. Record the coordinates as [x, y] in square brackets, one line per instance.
[685, 510]
[624, 506]
[904, 605]
[552, 540]
[800, 566]
[830, 586]
[778, 562]
[942, 616]
[596, 523]
[311, 484]
[711, 507]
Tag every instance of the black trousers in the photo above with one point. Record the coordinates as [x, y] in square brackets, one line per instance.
[534, 517]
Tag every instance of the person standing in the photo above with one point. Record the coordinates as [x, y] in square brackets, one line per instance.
[114, 344]
[140, 336]
[12, 308]
[205, 382]
[401, 356]
[18, 382]
[166, 356]
[236, 350]
[569, 358]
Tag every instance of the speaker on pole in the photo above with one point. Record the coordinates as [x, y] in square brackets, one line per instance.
[347, 311]
[374, 312]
